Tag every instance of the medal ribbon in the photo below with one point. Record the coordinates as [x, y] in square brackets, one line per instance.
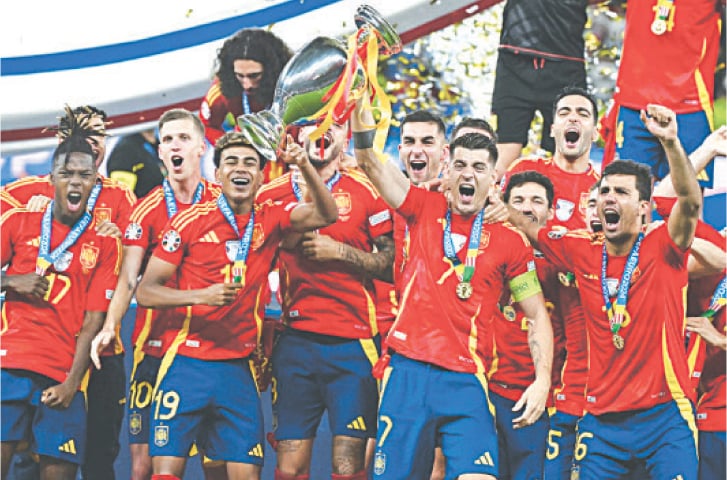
[616, 312]
[663, 14]
[245, 103]
[719, 300]
[464, 271]
[238, 268]
[171, 200]
[46, 259]
[329, 185]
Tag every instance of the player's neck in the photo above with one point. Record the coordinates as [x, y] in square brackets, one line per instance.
[621, 246]
[66, 218]
[184, 190]
[241, 206]
[578, 165]
[328, 170]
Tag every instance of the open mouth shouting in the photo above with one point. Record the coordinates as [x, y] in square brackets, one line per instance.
[73, 201]
[611, 219]
[571, 136]
[466, 193]
[177, 162]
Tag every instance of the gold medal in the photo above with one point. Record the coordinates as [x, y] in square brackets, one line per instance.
[618, 341]
[658, 26]
[464, 290]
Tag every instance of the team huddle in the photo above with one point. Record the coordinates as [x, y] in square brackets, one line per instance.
[452, 324]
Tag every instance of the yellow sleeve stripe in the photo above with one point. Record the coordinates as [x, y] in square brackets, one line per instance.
[148, 204]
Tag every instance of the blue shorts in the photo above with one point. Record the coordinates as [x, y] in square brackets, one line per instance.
[641, 146]
[314, 373]
[561, 444]
[420, 401]
[213, 403]
[712, 447]
[53, 432]
[660, 440]
[521, 450]
[138, 406]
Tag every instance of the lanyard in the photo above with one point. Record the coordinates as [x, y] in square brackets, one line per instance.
[719, 299]
[464, 271]
[329, 185]
[616, 312]
[171, 200]
[239, 266]
[45, 257]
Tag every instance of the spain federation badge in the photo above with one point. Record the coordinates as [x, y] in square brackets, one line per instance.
[161, 435]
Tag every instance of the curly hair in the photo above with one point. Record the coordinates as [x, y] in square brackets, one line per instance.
[74, 131]
[260, 46]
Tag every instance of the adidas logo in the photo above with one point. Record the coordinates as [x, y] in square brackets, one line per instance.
[209, 237]
[357, 424]
[257, 451]
[68, 447]
[485, 459]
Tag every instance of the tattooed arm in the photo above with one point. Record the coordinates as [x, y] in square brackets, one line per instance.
[540, 340]
[376, 264]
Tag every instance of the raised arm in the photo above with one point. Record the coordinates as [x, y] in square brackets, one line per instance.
[526, 225]
[386, 176]
[153, 292]
[321, 211]
[661, 122]
[715, 144]
[705, 258]
[125, 287]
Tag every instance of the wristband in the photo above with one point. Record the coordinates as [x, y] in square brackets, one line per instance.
[363, 140]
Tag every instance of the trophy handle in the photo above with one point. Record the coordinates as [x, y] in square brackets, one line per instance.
[367, 17]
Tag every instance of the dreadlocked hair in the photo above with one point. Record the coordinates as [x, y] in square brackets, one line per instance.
[74, 131]
[79, 119]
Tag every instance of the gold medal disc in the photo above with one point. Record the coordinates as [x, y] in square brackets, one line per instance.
[618, 341]
[464, 290]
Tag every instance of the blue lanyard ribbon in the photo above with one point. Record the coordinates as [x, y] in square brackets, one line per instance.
[329, 185]
[245, 103]
[171, 200]
[617, 312]
[46, 258]
[719, 299]
[466, 271]
[239, 266]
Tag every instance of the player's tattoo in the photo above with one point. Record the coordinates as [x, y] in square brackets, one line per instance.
[376, 264]
[348, 455]
[289, 446]
[535, 350]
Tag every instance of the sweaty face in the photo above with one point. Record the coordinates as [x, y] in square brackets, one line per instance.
[531, 199]
[239, 173]
[73, 177]
[333, 142]
[619, 208]
[249, 73]
[422, 151]
[574, 126]
[593, 223]
[181, 147]
[470, 179]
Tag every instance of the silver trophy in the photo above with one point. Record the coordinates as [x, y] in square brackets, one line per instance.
[306, 83]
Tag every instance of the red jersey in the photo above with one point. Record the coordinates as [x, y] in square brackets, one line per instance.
[571, 189]
[40, 335]
[146, 222]
[7, 202]
[712, 406]
[114, 202]
[511, 370]
[331, 298]
[203, 245]
[434, 325]
[676, 68]
[652, 367]
[569, 325]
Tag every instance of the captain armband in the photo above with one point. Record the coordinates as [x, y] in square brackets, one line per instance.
[525, 286]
